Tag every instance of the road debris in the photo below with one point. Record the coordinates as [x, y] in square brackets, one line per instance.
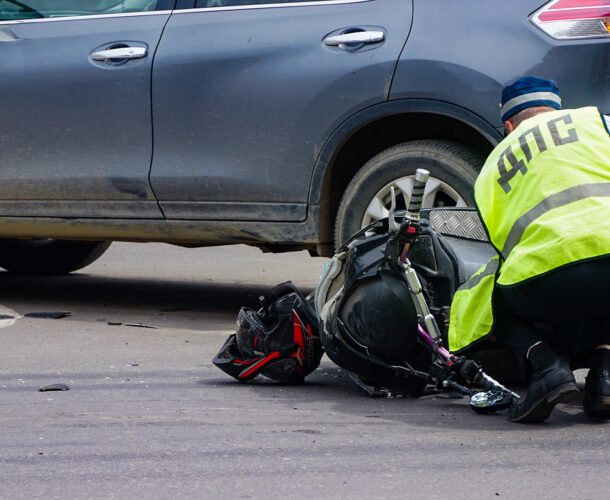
[54, 387]
[137, 325]
[48, 314]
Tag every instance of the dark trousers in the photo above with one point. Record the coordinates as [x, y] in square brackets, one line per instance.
[568, 307]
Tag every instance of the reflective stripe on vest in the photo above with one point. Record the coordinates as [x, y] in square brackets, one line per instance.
[556, 200]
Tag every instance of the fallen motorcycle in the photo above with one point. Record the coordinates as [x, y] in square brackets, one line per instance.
[383, 303]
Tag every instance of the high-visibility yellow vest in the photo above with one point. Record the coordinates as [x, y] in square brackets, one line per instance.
[544, 198]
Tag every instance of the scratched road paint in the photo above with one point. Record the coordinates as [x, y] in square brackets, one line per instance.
[8, 316]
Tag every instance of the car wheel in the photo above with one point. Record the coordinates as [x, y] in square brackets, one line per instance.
[48, 256]
[453, 169]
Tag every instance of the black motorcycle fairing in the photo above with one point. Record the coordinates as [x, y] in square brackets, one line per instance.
[378, 316]
[370, 328]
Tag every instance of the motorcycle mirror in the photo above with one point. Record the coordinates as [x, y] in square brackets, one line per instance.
[485, 402]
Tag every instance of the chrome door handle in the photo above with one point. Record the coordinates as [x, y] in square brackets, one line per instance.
[120, 53]
[355, 37]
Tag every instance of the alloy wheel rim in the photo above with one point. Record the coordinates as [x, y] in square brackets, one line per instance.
[437, 194]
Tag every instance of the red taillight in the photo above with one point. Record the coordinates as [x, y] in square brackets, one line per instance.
[564, 19]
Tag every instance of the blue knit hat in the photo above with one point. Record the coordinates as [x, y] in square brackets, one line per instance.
[526, 92]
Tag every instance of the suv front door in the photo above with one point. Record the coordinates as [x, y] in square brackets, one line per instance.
[75, 134]
[246, 92]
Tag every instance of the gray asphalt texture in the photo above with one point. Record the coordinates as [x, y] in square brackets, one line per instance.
[148, 415]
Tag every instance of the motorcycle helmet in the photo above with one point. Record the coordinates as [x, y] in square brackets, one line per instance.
[280, 341]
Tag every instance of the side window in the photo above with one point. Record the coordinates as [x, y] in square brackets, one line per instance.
[13, 10]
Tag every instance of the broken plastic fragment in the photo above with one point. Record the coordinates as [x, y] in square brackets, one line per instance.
[48, 315]
[54, 387]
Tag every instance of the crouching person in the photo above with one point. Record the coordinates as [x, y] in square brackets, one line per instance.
[544, 198]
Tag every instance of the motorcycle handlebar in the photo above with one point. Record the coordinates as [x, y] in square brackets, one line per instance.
[471, 372]
[417, 194]
[489, 383]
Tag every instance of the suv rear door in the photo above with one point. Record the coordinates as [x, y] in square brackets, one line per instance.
[244, 96]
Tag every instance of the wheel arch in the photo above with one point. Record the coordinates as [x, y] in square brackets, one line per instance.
[371, 131]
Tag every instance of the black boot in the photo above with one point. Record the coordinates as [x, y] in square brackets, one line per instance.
[552, 383]
[597, 386]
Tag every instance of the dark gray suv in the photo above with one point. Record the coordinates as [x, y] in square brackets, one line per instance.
[276, 124]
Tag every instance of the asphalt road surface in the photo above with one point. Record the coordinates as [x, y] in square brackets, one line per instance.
[148, 415]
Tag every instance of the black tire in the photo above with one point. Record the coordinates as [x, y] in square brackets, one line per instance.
[48, 257]
[453, 164]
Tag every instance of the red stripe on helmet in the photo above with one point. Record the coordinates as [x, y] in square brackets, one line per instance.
[257, 366]
[245, 361]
